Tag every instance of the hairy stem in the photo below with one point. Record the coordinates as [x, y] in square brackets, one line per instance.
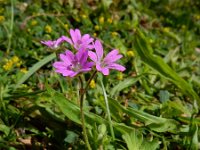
[82, 92]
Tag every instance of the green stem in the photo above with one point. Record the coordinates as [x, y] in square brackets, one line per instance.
[108, 111]
[90, 79]
[11, 27]
[82, 92]
[3, 105]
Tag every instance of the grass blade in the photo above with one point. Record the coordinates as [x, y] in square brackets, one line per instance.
[145, 51]
[34, 68]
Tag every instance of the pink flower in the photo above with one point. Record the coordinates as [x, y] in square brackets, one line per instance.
[78, 41]
[109, 62]
[53, 44]
[71, 65]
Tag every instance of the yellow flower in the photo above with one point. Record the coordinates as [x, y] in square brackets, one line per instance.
[96, 27]
[166, 29]
[24, 70]
[109, 20]
[101, 20]
[94, 34]
[2, 18]
[15, 59]
[8, 66]
[84, 16]
[130, 53]
[151, 41]
[29, 30]
[66, 26]
[114, 33]
[34, 22]
[77, 19]
[48, 29]
[120, 76]
[92, 84]
[19, 64]
[183, 27]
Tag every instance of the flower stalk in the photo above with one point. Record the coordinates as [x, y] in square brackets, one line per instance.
[82, 92]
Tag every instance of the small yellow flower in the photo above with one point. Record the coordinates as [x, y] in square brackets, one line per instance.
[94, 34]
[34, 22]
[66, 26]
[77, 19]
[92, 84]
[84, 16]
[166, 29]
[114, 33]
[28, 30]
[8, 66]
[19, 64]
[24, 70]
[120, 76]
[97, 27]
[183, 27]
[151, 41]
[2, 18]
[101, 20]
[130, 53]
[15, 59]
[109, 20]
[48, 29]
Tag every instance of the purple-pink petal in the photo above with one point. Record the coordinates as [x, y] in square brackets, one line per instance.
[71, 65]
[99, 49]
[58, 42]
[78, 34]
[92, 56]
[117, 67]
[69, 55]
[67, 39]
[65, 59]
[112, 56]
[73, 35]
[59, 65]
[98, 67]
[88, 65]
[73, 74]
[85, 37]
[105, 71]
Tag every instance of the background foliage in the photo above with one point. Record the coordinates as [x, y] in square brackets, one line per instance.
[154, 104]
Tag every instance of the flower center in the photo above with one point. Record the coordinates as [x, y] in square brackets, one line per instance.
[75, 66]
[78, 44]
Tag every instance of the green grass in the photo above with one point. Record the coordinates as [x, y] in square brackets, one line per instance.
[153, 105]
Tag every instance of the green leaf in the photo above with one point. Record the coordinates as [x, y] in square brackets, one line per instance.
[195, 141]
[72, 111]
[35, 67]
[135, 141]
[5, 129]
[123, 84]
[155, 123]
[164, 95]
[145, 51]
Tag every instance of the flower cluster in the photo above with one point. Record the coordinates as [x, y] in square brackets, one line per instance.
[86, 47]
